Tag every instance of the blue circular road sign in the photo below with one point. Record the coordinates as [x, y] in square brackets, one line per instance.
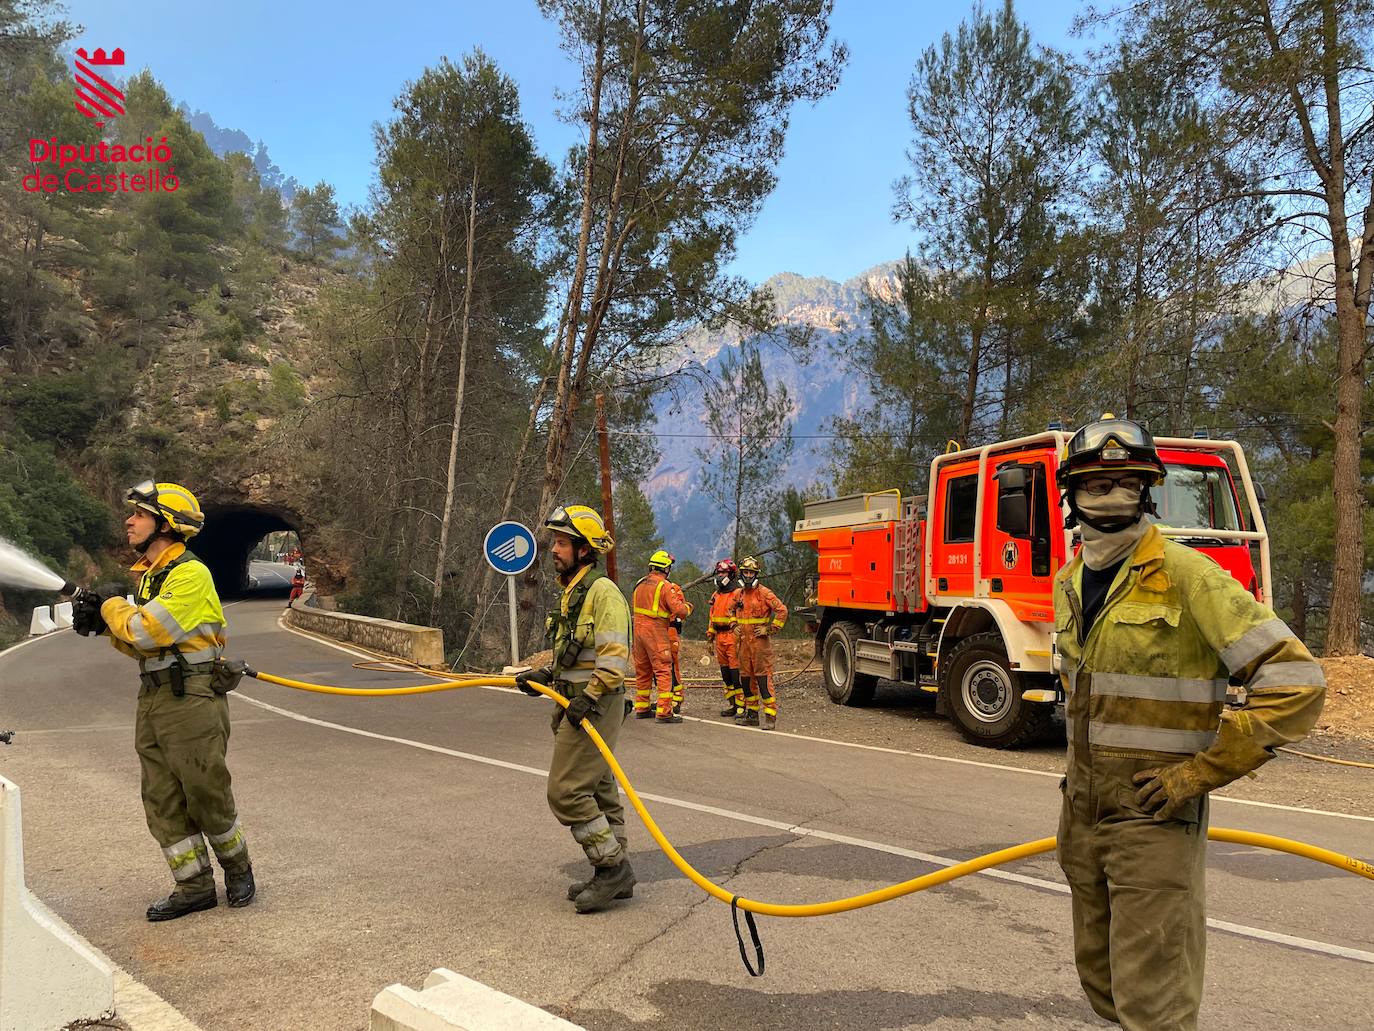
[510, 548]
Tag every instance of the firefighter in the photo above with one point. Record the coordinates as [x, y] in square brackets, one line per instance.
[721, 634]
[758, 615]
[657, 602]
[590, 637]
[675, 627]
[1149, 634]
[175, 629]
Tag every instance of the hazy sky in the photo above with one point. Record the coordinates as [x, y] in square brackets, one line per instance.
[311, 79]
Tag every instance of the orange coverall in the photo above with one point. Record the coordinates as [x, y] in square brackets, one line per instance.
[722, 635]
[656, 601]
[756, 608]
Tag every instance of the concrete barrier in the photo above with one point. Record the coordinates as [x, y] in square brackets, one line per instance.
[42, 622]
[423, 645]
[62, 614]
[452, 1002]
[48, 978]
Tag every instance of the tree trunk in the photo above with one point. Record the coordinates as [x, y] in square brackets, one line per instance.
[471, 274]
[1298, 623]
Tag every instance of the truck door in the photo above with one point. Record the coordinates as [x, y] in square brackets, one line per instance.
[951, 541]
[1018, 560]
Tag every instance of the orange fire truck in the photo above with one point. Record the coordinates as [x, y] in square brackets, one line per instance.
[951, 591]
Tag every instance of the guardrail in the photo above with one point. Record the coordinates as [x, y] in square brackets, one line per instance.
[422, 645]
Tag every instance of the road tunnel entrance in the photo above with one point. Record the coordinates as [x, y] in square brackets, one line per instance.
[231, 534]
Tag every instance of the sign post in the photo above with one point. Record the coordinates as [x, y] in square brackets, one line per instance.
[510, 549]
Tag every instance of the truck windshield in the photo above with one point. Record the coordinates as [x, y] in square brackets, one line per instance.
[1196, 496]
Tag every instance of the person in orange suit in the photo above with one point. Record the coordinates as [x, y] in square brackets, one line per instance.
[759, 614]
[657, 601]
[720, 633]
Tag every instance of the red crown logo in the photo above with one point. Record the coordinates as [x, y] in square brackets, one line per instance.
[96, 97]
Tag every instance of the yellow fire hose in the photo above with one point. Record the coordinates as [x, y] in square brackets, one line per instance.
[971, 866]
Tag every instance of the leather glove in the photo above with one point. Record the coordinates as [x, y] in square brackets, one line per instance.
[86, 618]
[1167, 789]
[711, 633]
[761, 631]
[580, 708]
[538, 676]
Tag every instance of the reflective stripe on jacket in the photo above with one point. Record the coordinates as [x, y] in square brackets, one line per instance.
[185, 613]
[720, 612]
[756, 606]
[657, 597]
[602, 629]
[1151, 674]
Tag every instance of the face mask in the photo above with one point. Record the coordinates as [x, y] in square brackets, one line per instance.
[723, 582]
[1110, 512]
[749, 579]
[1119, 526]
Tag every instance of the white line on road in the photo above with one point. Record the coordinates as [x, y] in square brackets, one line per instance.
[1242, 930]
[889, 751]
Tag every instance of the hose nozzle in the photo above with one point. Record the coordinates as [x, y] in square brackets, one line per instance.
[70, 589]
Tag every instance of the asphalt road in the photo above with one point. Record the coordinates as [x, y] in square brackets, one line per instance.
[392, 836]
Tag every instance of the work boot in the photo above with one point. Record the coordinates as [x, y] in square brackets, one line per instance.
[644, 714]
[607, 883]
[768, 722]
[751, 718]
[729, 710]
[179, 903]
[578, 887]
[239, 888]
[672, 717]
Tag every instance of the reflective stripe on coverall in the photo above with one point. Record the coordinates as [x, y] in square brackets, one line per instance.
[1146, 687]
[656, 601]
[755, 607]
[181, 741]
[723, 638]
[582, 792]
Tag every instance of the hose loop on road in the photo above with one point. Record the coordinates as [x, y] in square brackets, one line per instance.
[843, 905]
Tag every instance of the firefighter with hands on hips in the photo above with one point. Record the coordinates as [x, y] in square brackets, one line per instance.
[758, 615]
[175, 629]
[720, 633]
[656, 601]
[590, 634]
[1150, 633]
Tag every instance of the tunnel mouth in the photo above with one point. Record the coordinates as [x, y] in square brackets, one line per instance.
[231, 533]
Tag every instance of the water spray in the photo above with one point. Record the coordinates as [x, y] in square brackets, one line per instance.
[18, 569]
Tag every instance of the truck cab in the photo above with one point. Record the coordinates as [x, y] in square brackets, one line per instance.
[952, 591]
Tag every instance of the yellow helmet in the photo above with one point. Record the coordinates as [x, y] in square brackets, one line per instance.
[581, 523]
[661, 560]
[750, 565]
[169, 501]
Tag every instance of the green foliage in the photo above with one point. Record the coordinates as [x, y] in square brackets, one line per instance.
[68, 409]
[286, 392]
[315, 220]
[43, 508]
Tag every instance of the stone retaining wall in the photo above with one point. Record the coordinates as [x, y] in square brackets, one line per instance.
[423, 645]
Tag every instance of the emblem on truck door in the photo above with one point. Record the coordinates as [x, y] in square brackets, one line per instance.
[1011, 555]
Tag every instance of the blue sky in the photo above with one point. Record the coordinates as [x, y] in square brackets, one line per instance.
[311, 79]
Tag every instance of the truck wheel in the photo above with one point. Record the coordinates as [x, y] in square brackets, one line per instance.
[984, 695]
[844, 686]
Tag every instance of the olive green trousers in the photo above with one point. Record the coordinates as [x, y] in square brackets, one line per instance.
[187, 793]
[1139, 898]
[581, 786]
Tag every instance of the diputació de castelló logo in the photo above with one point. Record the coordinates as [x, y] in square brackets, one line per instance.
[100, 100]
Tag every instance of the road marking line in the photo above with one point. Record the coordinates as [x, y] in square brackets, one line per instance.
[1241, 930]
[773, 735]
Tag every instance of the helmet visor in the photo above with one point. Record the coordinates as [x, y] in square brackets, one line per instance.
[142, 493]
[1114, 431]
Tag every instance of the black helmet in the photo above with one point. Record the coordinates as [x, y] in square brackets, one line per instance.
[1110, 445]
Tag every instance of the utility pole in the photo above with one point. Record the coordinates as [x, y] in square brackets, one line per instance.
[607, 507]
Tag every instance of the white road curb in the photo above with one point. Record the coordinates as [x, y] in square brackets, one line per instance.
[452, 1002]
[48, 976]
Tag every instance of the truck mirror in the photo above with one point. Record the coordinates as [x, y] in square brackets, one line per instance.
[1014, 484]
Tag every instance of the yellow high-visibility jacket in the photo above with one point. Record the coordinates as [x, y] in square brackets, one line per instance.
[592, 612]
[1150, 676]
[186, 613]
